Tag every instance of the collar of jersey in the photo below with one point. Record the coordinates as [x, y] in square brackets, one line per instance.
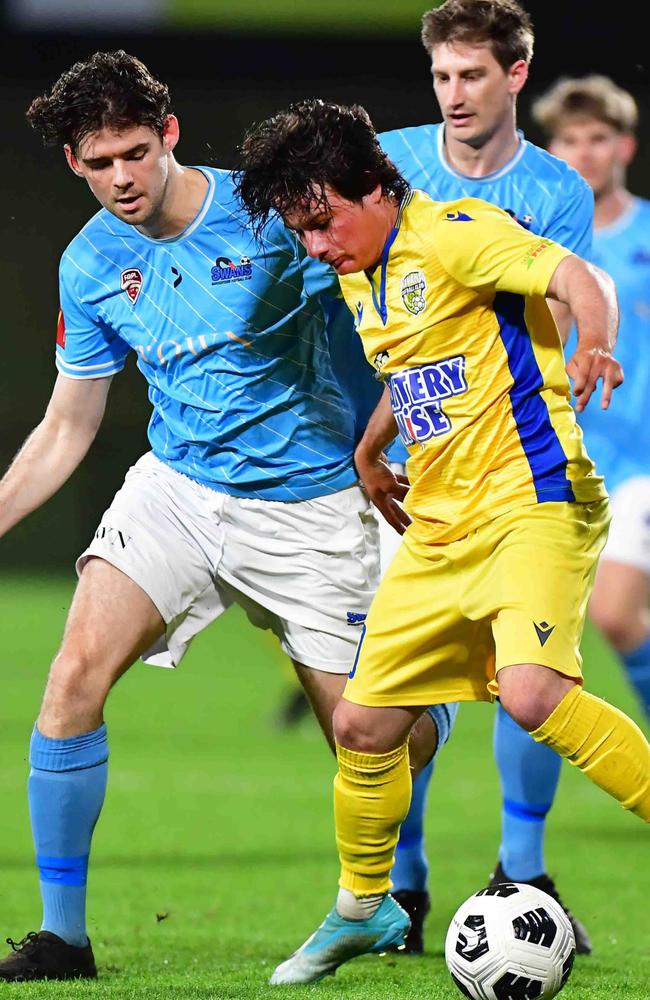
[198, 218]
[619, 225]
[380, 305]
[486, 178]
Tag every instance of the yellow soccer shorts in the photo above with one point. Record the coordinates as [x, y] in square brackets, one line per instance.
[447, 618]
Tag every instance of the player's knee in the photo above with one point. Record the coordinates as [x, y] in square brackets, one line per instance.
[354, 728]
[75, 679]
[531, 703]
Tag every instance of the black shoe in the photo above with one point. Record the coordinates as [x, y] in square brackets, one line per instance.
[43, 955]
[417, 905]
[546, 884]
[294, 708]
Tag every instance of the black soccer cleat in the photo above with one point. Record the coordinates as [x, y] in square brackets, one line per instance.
[417, 905]
[44, 955]
[547, 885]
[294, 708]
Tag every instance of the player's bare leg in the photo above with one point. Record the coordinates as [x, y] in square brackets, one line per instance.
[620, 608]
[598, 738]
[324, 691]
[111, 622]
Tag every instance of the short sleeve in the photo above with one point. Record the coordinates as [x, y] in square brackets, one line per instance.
[572, 223]
[86, 347]
[485, 249]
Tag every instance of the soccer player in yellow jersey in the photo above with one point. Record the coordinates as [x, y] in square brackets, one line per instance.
[488, 593]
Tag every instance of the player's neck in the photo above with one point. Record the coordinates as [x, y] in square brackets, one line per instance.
[610, 205]
[184, 194]
[490, 156]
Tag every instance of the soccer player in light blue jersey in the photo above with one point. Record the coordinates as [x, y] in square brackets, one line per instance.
[480, 53]
[248, 493]
[591, 123]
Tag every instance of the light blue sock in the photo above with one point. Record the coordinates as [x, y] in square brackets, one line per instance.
[529, 773]
[637, 665]
[411, 868]
[67, 783]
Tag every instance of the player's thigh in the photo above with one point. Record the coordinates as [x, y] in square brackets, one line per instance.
[532, 577]
[313, 566]
[324, 690]
[620, 601]
[165, 533]
[621, 595]
[417, 647]
[111, 621]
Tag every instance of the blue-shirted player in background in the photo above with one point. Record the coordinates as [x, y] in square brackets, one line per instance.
[248, 494]
[591, 123]
[480, 53]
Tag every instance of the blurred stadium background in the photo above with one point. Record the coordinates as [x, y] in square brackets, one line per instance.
[185, 811]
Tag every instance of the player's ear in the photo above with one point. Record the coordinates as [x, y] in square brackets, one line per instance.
[375, 196]
[71, 157]
[517, 76]
[171, 133]
[627, 146]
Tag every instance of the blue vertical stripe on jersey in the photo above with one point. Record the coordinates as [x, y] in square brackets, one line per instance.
[546, 458]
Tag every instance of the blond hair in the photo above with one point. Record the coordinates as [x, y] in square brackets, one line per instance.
[586, 98]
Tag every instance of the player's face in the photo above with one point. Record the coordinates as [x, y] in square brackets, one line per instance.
[348, 235]
[476, 95]
[597, 151]
[128, 170]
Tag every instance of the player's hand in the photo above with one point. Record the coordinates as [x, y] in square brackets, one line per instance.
[386, 489]
[586, 367]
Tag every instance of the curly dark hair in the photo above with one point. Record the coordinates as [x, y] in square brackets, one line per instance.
[289, 160]
[108, 90]
[503, 24]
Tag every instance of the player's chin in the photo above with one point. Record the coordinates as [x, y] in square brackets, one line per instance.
[135, 216]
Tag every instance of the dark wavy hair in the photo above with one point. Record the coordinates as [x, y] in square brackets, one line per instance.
[108, 90]
[289, 159]
[503, 24]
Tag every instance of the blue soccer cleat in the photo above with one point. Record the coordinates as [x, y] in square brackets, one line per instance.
[338, 940]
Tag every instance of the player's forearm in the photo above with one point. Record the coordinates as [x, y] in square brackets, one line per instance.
[590, 295]
[47, 459]
[381, 429]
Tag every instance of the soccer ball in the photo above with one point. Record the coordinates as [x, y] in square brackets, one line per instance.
[510, 942]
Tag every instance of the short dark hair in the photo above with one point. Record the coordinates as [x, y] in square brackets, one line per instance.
[108, 90]
[504, 24]
[289, 159]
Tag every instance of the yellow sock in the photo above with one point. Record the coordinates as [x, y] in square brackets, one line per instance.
[372, 794]
[605, 744]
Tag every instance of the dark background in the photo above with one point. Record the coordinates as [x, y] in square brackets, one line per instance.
[220, 84]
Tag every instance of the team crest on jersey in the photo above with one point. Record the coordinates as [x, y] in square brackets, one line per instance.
[225, 270]
[417, 395]
[413, 288]
[131, 283]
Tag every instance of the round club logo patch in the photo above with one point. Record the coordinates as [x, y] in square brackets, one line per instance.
[413, 288]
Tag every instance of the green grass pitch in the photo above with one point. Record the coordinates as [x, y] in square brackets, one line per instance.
[214, 856]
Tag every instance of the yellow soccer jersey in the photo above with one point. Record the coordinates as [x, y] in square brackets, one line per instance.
[454, 318]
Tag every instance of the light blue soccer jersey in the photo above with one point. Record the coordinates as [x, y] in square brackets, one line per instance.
[543, 193]
[232, 347]
[618, 439]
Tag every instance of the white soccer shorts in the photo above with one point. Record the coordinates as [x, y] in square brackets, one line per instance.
[629, 532]
[307, 570]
